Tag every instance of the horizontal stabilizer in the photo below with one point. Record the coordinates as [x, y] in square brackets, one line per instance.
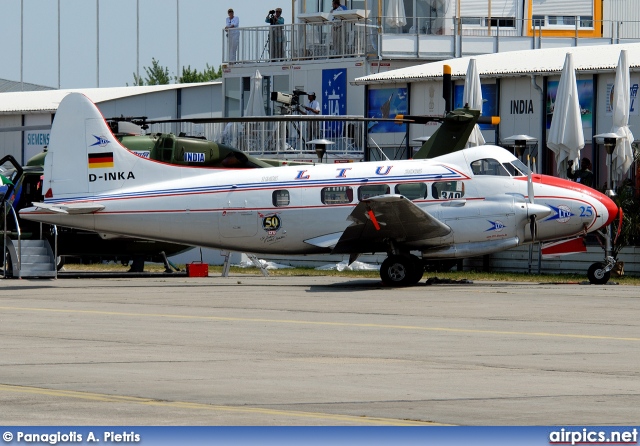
[78, 208]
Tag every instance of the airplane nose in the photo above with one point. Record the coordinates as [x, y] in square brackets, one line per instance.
[611, 208]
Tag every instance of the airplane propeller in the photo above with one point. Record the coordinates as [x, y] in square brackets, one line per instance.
[533, 223]
[533, 227]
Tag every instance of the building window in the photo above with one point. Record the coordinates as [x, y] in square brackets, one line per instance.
[280, 198]
[568, 21]
[336, 195]
[502, 22]
[538, 20]
[586, 21]
[413, 191]
[372, 190]
[471, 20]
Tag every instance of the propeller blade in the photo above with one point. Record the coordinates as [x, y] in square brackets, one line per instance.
[529, 181]
[533, 227]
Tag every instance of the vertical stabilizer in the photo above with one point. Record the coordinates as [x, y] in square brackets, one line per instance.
[84, 158]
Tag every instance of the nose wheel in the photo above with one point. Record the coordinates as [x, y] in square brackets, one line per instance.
[598, 273]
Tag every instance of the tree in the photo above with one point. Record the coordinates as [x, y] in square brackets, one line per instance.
[190, 76]
[628, 201]
[158, 75]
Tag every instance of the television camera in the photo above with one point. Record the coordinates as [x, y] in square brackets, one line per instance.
[290, 102]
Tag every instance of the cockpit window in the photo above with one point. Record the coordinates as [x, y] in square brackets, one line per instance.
[519, 165]
[488, 166]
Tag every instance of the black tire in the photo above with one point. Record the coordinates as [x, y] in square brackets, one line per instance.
[60, 263]
[597, 275]
[418, 269]
[397, 270]
[9, 264]
[137, 265]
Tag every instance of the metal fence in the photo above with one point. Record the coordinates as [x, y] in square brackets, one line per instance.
[300, 41]
[348, 38]
[345, 139]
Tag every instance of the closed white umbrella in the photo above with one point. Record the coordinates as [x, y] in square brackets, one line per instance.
[622, 156]
[472, 96]
[566, 138]
[255, 105]
[255, 133]
[396, 17]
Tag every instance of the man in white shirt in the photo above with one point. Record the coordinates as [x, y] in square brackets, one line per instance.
[232, 25]
[313, 107]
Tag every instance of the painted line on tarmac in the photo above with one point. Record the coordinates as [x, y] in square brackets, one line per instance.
[325, 323]
[106, 398]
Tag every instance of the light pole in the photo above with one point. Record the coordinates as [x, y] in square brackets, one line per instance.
[520, 143]
[609, 140]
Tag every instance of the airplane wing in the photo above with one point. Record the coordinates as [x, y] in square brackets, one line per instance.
[79, 208]
[387, 217]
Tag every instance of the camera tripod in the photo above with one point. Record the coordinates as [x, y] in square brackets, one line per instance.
[266, 44]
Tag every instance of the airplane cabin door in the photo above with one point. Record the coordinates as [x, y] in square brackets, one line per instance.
[237, 221]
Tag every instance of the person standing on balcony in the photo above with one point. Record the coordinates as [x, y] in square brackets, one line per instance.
[336, 32]
[276, 33]
[233, 35]
[312, 108]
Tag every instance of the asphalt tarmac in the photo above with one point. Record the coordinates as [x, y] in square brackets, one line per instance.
[250, 350]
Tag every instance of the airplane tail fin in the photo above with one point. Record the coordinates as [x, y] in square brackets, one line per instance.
[84, 158]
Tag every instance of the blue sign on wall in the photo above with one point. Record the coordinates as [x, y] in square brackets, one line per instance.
[334, 92]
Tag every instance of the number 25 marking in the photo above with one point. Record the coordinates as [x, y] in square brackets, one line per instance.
[586, 211]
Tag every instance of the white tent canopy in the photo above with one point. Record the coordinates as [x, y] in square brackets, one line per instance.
[396, 16]
[566, 138]
[472, 96]
[622, 156]
[255, 105]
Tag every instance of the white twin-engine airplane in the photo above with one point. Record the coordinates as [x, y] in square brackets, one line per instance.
[472, 202]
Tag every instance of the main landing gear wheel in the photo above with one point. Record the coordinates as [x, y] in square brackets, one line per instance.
[418, 269]
[597, 274]
[398, 270]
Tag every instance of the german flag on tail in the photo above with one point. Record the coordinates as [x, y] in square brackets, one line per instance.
[100, 160]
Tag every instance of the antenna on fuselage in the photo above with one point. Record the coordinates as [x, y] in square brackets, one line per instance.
[381, 152]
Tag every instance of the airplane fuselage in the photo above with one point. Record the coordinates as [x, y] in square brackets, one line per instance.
[471, 202]
[282, 209]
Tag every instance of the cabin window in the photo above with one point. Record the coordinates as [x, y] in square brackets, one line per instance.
[413, 191]
[488, 166]
[280, 198]
[447, 190]
[372, 190]
[336, 195]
